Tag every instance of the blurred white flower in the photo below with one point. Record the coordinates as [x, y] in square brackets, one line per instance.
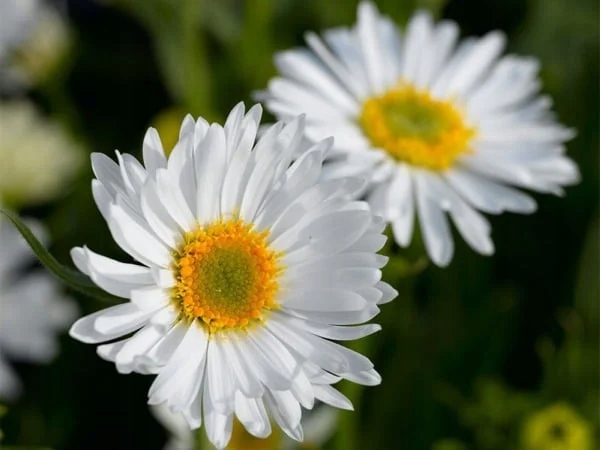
[438, 127]
[32, 310]
[319, 426]
[247, 268]
[33, 41]
[18, 18]
[37, 158]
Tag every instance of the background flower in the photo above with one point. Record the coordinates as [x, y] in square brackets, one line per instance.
[33, 311]
[38, 158]
[33, 42]
[438, 127]
[557, 427]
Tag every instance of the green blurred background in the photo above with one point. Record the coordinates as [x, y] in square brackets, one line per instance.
[473, 356]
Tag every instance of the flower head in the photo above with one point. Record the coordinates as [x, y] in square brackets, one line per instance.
[33, 41]
[439, 127]
[32, 310]
[37, 157]
[246, 267]
[557, 427]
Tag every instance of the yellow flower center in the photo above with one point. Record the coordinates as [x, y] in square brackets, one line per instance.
[412, 126]
[227, 276]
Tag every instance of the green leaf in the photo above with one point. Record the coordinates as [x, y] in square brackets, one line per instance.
[72, 278]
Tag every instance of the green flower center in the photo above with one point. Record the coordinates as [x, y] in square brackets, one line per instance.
[227, 276]
[413, 127]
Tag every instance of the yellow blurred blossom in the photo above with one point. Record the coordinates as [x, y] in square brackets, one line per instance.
[557, 427]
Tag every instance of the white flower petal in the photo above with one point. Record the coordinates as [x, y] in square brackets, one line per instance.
[233, 128]
[162, 352]
[338, 68]
[138, 344]
[474, 228]
[366, 378]
[157, 215]
[150, 298]
[102, 198]
[136, 239]
[210, 162]
[286, 411]
[474, 65]
[220, 379]
[367, 30]
[401, 203]
[108, 173]
[442, 43]
[489, 196]
[181, 170]
[245, 380]
[154, 154]
[292, 63]
[178, 381]
[252, 414]
[302, 390]
[389, 293]
[128, 318]
[263, 173]
[218, 426]
[115, 277]
[332, 397]
[173, 199]
[417, 35]
[324, 300]
[436, 232]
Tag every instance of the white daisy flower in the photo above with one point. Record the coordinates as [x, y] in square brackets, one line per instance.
[319, 425]
[439, 127]
[246, 267]
[32, 310]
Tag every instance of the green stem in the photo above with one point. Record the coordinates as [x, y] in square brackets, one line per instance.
[202, 442]
[72, 278]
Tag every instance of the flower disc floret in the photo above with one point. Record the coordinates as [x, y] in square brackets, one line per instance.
[412, 126]
[226, 275]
